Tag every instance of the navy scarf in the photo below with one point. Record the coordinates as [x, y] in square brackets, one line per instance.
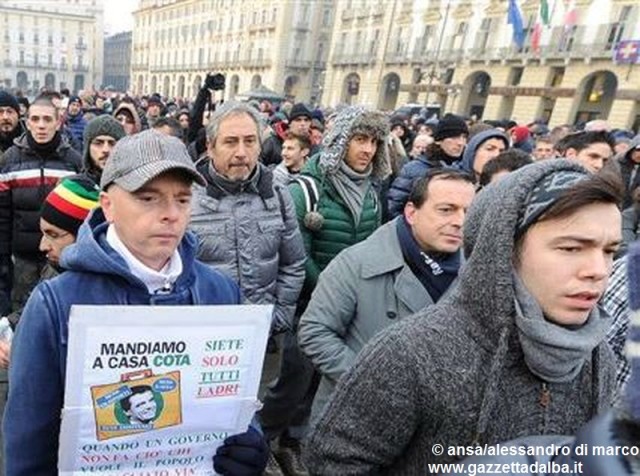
[436, 272]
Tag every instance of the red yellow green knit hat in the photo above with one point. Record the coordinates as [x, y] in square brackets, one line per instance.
[69, 203]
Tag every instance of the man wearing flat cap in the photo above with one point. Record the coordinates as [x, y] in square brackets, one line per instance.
[133, 250]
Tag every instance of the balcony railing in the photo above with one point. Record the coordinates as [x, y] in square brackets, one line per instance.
[348, 14]
[352, 59]
[81, 46]
[396, 58]
[81, 68]
[577, 51]
[256, 63]
[298, 64]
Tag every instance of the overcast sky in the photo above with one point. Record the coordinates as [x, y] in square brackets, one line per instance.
[117, 15]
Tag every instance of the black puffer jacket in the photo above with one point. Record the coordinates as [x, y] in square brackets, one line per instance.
[26, 178]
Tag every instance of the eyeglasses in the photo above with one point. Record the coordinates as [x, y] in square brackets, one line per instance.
[53, 236]
[124, 119]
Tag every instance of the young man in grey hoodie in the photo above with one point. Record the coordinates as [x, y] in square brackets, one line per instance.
[517, 348]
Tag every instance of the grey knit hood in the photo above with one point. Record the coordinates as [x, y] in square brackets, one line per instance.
[489, 239]
[350, 121]
[489, 245]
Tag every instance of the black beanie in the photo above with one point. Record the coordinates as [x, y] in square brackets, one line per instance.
[299, 110]
[450, 126]
[8, 100]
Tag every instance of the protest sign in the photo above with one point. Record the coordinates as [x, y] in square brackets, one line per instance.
[154, 390]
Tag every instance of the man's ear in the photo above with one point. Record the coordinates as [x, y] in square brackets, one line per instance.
[410, 213]
[570, 153]
[107, 206]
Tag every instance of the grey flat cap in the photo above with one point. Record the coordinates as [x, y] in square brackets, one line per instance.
[137, 159]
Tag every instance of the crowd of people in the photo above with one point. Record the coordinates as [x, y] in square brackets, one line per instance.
[434, 280]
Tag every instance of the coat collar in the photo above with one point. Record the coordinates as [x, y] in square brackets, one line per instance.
[384, 245]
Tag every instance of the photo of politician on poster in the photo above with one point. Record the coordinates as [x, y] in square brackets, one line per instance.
[135, 406]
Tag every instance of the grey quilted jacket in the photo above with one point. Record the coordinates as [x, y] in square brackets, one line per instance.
[253, 236]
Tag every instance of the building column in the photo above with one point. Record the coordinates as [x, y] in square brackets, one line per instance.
[622, 112]
[561, 111]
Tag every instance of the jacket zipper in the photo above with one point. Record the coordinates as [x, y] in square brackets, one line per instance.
[545, 396]
[544, 399]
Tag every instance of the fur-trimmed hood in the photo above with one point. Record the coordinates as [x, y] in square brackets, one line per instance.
[132, 110]
[350, 121]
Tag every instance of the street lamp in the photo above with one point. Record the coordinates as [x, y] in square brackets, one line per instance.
[453, 91]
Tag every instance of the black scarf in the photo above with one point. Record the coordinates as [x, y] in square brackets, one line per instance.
[220, 186]
[435, 272]
[6, 140]
[46, 149]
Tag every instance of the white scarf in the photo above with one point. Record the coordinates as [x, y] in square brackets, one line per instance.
[157, 282]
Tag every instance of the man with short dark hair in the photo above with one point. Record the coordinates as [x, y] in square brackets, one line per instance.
[295, 151]
[168, 126]
[505, 163]
[592, 149]
[140, 405]
[30, 170]
[543, 148]
[134, 250]
[417, 258]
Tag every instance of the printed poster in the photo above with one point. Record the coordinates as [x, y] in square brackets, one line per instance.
[156, 389]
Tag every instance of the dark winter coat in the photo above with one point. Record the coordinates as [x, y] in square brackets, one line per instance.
[26, 179]
[401, 187]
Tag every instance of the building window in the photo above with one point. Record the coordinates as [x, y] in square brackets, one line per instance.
[373, 46]
[326, 18]
[482, 37]
[515, 75]
[557, 75]
[616, 29]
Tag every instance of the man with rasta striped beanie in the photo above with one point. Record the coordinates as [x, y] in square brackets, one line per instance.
[63, 211]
